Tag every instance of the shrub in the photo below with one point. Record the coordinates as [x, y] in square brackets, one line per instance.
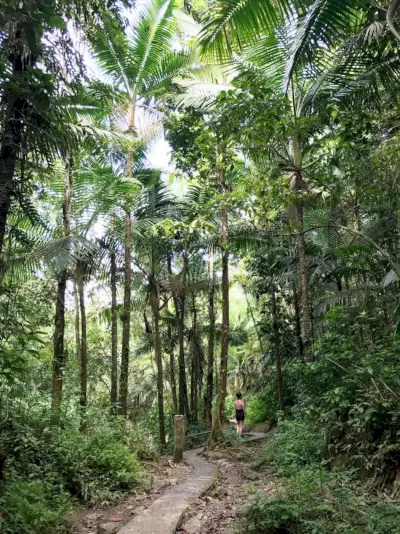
[98, 468]
[318, 502]
[32, 506]
[295, 445]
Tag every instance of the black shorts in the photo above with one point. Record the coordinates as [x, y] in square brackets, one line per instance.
[239, 415]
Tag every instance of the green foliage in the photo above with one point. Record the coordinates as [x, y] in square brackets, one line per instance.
[316, 502]
[313, 499]
[98, 469]
[295, 445]
[32, 506]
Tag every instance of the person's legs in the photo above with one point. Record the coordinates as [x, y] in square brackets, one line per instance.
[240, 428]
[237, 428]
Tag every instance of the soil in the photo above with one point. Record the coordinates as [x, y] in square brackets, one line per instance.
[238, 484]
[163, 475]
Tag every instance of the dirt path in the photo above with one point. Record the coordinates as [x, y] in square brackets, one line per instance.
[192, 495]
[238, 483]
[110, 519]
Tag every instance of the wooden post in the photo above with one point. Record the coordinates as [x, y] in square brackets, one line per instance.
[179, 437]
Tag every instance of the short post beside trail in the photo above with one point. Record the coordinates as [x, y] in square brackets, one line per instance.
[179, 437]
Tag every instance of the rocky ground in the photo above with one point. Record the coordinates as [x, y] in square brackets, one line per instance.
[238, 484]
[110, 519]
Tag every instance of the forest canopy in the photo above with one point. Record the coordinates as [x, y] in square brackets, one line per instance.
[200, 198]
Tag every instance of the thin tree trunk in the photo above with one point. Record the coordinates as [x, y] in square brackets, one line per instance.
[114, 335]
[298, 185]
[158, 354]
[59, 327]
[250, 308]
[219, 409]
[196, 364]
[77, 325]
[172, 371]
[298, 321]
[59, 352]
[84, 361]
[276, 346]
[183, 401]
[126, 320]
[304, 295]
[211, 337]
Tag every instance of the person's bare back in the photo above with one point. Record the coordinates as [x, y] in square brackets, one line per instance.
[240, 414]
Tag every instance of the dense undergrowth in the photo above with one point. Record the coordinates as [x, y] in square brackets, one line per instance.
[315, 498]
[337, 449]
[48, 473]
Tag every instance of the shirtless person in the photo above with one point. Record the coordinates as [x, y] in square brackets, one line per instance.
[240, 414]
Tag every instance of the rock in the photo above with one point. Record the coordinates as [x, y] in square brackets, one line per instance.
[173, 481]
[136, 511]
[158, 483]
[251, 475]
[115, 519]
[241, 512]
[194, 525]
[221, 492]
[93, 516]
[108, 528]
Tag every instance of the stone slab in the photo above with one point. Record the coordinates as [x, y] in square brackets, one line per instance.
[165, 514]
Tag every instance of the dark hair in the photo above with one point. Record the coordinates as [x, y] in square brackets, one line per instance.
[238, 395]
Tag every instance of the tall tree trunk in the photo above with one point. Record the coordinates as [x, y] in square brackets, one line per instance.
[304, 295]
[211, 337]
[183, 401]
[114, 335]
[59, 327]
[196, 386]
[216, 430]
[298, 321]
[154, 300]
[250, 308]
[298, 185]
[59, 352]
[77, 325]
[84, 361]
[277, 351]
[172, 371]
[126, 319]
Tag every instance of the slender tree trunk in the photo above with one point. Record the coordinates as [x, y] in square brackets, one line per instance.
[211, 337]
[277, 351]
[305, 302]
[298, 185]
[183, 400]
[114, 336]
[59, 327]
[84, 361]
[77, 324]
[219, 409]
[172, 371]
[298, 321]
[196, 386]
[126, 319]
[250, 308]
[59, 352]
[158, 354]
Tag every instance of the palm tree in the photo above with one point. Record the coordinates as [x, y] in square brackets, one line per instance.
[141, 65]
